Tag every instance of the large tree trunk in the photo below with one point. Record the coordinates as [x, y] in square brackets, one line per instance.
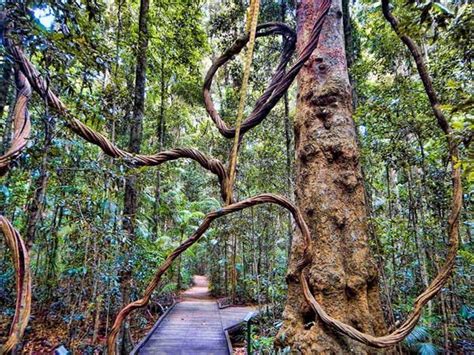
[136, 132]
[330, 193]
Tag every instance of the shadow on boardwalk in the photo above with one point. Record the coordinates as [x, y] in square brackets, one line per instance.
[194, 326]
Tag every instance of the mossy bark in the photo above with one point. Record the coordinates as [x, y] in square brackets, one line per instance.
[330, 193]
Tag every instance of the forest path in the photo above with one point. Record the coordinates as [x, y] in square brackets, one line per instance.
[195, 325]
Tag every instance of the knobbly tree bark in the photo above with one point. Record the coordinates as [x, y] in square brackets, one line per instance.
[330, 193]
[136, 133]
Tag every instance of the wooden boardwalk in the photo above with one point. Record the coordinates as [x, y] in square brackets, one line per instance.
[194, 326]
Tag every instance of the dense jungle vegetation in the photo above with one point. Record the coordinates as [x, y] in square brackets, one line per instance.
[97, 228]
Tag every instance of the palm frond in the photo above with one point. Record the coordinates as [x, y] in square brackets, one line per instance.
[428, 349]
[417, 335]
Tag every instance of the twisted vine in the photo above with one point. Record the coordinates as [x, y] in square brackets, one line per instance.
[279, 83]
[20, 256]
[44, 90]
[21, 262]
[21, 123]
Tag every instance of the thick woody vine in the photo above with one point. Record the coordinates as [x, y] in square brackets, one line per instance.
[27, 75]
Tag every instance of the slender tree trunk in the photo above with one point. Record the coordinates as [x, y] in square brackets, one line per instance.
[179, 282]
[445, 323]
[52, 249]
[98, 309]
[233, 263]
[136, 132]
[36, 205]
[418, 231]
[330, 194]
[289, 173]
[4, 90]
[349, 45]
[6, 140]
[243, 263]
[160, 133]
[233, 270]
[226, 266]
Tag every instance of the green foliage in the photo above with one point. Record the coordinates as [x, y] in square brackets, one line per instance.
[404, 157]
